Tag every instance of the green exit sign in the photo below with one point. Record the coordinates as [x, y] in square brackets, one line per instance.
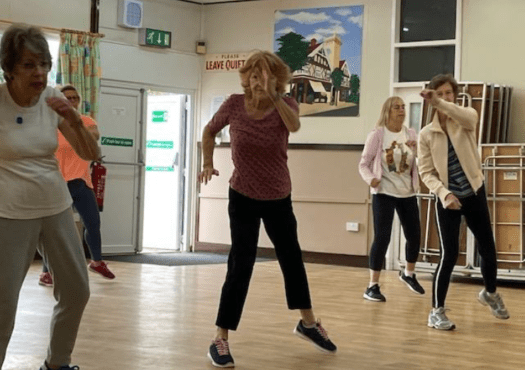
[152, 37]
[160, 116]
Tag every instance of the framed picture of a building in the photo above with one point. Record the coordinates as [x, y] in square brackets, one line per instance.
[322, 47]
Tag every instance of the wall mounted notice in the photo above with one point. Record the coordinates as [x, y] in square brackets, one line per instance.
[229, 62]
[115, 141]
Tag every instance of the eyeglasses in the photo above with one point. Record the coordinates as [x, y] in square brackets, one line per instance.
[32, 66]
[73, 98]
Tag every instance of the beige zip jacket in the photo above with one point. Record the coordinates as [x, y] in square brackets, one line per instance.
[433, 149]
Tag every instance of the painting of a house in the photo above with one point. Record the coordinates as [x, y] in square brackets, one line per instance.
[322, 46]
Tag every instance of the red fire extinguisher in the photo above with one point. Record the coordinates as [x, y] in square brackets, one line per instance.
[98, 177]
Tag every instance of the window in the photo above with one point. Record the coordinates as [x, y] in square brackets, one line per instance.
[426, 20]
[420, 64]
[54, 45]
[427, 40]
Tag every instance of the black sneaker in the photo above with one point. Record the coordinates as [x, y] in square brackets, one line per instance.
[411, 282]
[219, 353]
[374, 294]
[44, 367]
[317, 335]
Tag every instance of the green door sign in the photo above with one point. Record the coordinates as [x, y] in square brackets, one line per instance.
[160, 116]
[115, 141]
[159, 168]
[159, 144]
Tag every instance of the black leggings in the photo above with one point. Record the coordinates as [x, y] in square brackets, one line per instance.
[476, 213]
[281, 226]
[383, 207]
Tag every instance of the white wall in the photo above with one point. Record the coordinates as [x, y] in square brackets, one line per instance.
[494, 51]
[182, 19]
[49, 13]
[130, 63]
[242, 27]
[123, 59]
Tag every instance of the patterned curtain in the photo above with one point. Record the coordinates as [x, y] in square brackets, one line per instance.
[79, 65]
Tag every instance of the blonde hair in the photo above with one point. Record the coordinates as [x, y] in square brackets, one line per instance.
[384, 117]
[264, 60]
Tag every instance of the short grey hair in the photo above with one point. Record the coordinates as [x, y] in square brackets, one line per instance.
[17, 38]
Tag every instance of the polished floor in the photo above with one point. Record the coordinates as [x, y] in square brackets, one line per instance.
[159, 317]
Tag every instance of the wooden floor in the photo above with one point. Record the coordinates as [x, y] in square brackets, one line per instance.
[162, 318]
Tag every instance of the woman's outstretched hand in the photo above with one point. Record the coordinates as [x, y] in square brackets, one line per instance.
[430, 96]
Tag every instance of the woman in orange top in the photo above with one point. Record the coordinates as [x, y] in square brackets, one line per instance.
[78, 176]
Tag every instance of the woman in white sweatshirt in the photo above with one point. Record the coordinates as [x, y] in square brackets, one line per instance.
[388, 165]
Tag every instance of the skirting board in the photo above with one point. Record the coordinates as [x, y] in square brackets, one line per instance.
[309, 257]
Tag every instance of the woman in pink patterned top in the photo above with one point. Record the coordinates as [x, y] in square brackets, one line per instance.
[260, 188]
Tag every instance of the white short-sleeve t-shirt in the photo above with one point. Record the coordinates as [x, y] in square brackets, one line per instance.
[396, 159]
[31, 185]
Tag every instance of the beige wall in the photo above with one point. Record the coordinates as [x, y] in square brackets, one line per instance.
[326, 194]
[122, 58]
[242, 27]
[182, 19]
[493, 50]
[327, 189]
[50, 13]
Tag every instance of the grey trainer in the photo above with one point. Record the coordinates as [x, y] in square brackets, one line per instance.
[438, 320]
[495, 302]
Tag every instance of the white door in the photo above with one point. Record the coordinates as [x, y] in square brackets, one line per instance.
[120, 122]
[164, 176]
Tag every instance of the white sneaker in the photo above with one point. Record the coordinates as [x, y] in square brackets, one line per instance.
[495, 302]
[438, 320]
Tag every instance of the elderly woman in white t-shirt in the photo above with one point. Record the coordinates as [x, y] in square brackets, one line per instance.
[388, 165]
[35, 206]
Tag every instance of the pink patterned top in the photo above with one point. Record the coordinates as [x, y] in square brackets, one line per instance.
[258, 149]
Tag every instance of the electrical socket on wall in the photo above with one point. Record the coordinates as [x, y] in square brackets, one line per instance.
[352, 226]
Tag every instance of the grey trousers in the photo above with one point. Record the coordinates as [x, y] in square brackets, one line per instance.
[62, 249]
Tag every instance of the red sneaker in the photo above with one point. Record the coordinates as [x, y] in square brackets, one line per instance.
[102, 269]
[45, 279]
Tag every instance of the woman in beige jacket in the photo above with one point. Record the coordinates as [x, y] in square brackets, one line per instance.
[450, 166]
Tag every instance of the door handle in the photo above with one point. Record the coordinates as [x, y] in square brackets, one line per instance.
[175, 160]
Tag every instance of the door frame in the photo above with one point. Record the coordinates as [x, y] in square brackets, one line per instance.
[188, 166]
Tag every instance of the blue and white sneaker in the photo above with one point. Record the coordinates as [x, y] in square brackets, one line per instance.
[317, 335]
[219, 353]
